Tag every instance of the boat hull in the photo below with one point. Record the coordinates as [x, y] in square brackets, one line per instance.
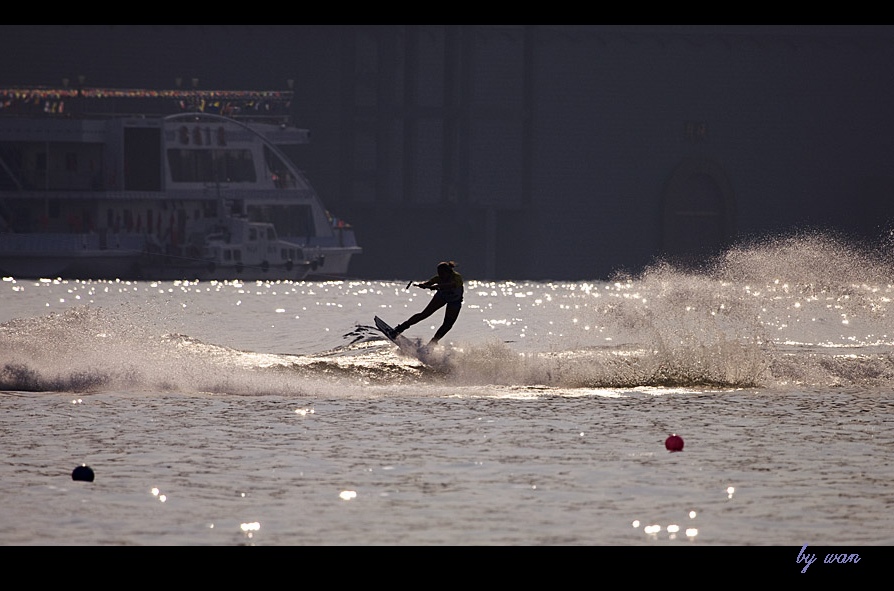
[334, 264]
[78, 265]
[69, 256]
[126, 266]
[151, 268]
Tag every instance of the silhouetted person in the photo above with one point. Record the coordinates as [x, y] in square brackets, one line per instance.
[449, 286]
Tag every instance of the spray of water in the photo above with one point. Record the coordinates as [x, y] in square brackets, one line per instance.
[88, 349]
[768, 313]
[803, 310]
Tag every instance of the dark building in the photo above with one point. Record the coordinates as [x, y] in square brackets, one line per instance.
[540, 151]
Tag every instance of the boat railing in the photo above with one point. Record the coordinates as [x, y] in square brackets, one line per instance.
[263, 106]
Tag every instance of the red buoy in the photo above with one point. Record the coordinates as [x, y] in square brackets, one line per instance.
[674, 443]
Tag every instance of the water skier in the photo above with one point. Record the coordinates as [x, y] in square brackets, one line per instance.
[448, 285]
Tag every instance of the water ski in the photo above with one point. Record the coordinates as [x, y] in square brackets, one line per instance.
[413, 348]
[386, 329]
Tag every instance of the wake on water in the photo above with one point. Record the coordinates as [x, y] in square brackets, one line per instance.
[806, 311]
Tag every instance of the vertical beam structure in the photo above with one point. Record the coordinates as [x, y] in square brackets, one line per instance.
[527, 119]
[450, 138]
[348, 114]
[410, 113]
[385, 111]
[464, 97]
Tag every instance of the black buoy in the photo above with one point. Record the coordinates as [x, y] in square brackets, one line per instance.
[82, 472]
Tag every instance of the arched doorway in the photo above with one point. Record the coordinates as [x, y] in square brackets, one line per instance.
[698, 218]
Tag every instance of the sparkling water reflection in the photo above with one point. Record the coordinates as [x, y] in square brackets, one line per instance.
[271, 413]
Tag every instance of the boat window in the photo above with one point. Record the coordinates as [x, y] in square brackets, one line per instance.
[290, 220]
[237, 254]
[209, 209]
[252, 234]
[53, 209]
[211, 166]
[238, 166]
[278, 170]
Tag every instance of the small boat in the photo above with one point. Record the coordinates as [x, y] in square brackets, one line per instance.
[238, 249]
[128, 183]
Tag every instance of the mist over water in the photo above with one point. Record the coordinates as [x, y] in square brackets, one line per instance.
[808, 310]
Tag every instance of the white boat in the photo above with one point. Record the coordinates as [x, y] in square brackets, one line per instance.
[105, 183]
[237, 249]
